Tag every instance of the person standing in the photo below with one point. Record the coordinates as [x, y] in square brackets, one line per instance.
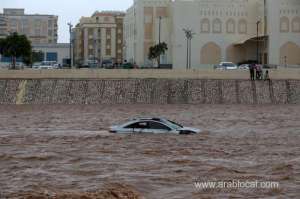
[259, 72]
[267, 76]
[252, 71]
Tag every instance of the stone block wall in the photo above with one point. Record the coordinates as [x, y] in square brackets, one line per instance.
[148, 91]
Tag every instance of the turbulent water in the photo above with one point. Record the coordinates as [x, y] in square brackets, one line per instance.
[66, 152]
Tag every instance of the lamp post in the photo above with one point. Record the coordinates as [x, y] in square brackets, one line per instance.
[189, 34]
[159, 30]
[257, 42]
[70, 50]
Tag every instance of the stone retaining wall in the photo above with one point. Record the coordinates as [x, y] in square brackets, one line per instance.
[148, 91]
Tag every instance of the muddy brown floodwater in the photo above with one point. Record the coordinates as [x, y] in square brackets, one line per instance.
[65, 152]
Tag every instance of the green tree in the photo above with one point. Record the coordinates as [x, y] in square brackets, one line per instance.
[37, 56]
[156, 51]
[16, 46]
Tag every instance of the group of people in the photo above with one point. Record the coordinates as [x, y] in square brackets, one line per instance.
[256, 72]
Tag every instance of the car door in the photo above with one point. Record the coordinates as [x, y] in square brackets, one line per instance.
[156, 127]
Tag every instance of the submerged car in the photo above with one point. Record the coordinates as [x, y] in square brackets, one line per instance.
[153, 125]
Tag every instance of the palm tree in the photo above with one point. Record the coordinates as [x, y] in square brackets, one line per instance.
[156, 51]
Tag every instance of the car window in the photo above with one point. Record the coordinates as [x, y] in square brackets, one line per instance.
[156, 125]
[175, 125]
[137, 125]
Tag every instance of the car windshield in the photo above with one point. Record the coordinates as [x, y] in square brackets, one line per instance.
[174, 124]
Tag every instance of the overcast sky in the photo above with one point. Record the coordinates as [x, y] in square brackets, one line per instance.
[67, 10]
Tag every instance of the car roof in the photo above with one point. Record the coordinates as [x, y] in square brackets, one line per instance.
[149, 118]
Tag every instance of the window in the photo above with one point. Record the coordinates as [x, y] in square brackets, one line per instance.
[296, 24]
[50, 24]
[106, 19]
[230, 26]
[217, 26]
[51, 56]
[156, 125]
[284, 24]
[137, 125]
[243, 26]
[205, 25]
[50, 32]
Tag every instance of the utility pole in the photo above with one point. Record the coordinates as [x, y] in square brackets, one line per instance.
[189, 36]
[257, 42]
[70, 50]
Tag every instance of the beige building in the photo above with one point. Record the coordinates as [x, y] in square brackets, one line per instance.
[99, 38]
[38, 28]
[224, 30]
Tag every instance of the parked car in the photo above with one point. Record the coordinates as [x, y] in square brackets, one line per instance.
[36, 65]
[227, 66]
[127, 66]
[244, 66]
[108, 64]
[270, 66]
[153, 125]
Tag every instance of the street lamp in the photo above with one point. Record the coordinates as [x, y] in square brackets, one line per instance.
[189, 34]
[257, 42]
[70, 50]
[159, 30]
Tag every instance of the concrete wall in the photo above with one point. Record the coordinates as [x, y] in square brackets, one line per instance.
[279, 74]
[148, 91]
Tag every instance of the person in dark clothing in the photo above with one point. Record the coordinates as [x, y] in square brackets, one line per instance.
[259, 72]
[252, 71]
[267, 77]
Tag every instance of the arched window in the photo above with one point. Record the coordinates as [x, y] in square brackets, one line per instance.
[217, 26]
[296, 24]
[284, 24]
[205, 26]
[230, 26]
[242, 26]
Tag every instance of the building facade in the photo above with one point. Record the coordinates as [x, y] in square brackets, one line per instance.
[99, 38]
[141, 30]
[38, 28]
[58, 53]
[227, 30]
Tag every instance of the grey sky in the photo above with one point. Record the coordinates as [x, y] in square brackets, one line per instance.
[67, 10]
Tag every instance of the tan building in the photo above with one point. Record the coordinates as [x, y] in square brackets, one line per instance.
[38, 28]
[225, 30]
[99, 38]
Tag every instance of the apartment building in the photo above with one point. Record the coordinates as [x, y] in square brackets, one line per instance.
[38, 28]
[227, 30]
[99, 38]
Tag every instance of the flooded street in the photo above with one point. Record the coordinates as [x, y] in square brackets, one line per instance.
[51, 150]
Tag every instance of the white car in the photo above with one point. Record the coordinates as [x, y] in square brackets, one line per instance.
[228, 66]
[244, 66]
[153, 125]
